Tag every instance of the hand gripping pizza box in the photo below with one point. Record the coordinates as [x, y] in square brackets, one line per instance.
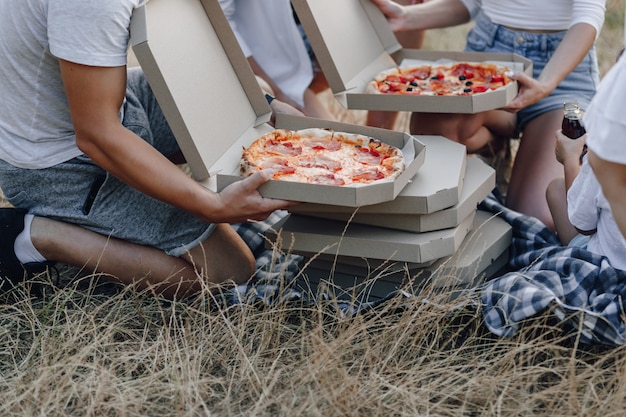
[479, 181]
[354, 43]
[436, 186]
[305, 234]
[215, 106]
[482, 255]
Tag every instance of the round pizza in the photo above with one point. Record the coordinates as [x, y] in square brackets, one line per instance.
[455, 79]
[320, 156]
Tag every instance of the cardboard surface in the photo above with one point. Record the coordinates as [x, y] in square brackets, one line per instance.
[215, 106]
[436, 186]
[479, 181]
[311, 235]
[483, 253]
[351, 58]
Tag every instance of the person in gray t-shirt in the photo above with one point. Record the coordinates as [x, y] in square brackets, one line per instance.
[88, 160]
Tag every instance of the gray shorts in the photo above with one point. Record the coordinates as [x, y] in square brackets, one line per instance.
[82, 193]
[580, 85]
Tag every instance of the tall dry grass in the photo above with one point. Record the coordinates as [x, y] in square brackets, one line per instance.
[87, 349]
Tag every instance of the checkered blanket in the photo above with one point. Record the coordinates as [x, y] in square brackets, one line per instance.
[277, 271]
[581, 289]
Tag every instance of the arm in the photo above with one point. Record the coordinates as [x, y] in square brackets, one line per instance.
[575, 45]
[568, 153]
[95, 95]
[429, 15]
[612, 178]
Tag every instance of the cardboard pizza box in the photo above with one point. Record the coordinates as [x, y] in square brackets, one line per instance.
[215, 107]
[297, 233]
[479, 181]
[481, 256]
[353, 43]
[436, 186]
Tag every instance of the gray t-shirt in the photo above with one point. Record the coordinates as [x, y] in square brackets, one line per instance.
[35, 126]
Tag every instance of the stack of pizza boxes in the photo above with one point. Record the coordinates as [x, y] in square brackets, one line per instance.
[414, 230]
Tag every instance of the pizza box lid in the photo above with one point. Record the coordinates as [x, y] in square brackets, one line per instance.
[297, 233]
[354, 43]
[214, 105]
[436, 186]
[483, 253]
[479, 181]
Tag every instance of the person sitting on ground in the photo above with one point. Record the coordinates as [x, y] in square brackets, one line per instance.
[596, 190]
[88, 161]
[269, 37]
[558, 37]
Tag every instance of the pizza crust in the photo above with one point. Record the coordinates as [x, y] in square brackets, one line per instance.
[319, 156]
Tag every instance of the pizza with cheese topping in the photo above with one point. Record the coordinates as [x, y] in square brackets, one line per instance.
[456, 79]
[320, 156]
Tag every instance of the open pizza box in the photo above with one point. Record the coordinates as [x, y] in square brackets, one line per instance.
[353, 43]
[483, 253]
[436, 186]
[305, 234]
[215, 106]
[479, 181]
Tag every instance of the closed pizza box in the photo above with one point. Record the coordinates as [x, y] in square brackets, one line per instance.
[479, 181]
[353, 43]
[297, 233]
[215, 106]
[482, 255]
[436, 186]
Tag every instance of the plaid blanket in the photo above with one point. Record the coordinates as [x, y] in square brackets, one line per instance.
[581, 289]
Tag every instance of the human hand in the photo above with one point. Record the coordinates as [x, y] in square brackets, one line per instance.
[529, 92]
[241, 201]
[567, 150]
[394, 13]
[279, 106]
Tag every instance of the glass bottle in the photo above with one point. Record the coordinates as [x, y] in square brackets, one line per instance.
[572, 121]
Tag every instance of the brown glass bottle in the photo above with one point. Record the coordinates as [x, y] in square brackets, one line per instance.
[572, 126]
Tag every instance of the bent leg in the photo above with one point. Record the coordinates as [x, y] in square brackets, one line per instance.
[474, 131]
[535, 167]
[147, 267]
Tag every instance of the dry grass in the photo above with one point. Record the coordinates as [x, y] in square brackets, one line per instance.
[84, 350]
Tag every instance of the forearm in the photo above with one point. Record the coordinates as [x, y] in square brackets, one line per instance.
[612, 178]
[573, 48]
[132, 160]
[436, 14]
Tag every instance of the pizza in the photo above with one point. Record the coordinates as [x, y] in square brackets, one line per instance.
[320, 156]
[454, 79]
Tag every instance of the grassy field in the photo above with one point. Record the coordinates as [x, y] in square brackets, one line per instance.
[83, 350]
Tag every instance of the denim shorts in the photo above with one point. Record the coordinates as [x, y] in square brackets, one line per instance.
[79, 192]
[580, 85]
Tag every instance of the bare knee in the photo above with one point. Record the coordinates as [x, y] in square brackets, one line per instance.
[223, 257]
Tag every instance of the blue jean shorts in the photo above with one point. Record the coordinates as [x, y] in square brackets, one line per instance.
[580, 85]
[80, 192]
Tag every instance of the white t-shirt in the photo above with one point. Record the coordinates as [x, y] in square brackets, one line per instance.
[588, 209]
[605, 120]
[36, 130]
[606, 127]
[266, 30]
[541, 14]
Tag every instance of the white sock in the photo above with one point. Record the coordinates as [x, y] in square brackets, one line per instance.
[24, 248]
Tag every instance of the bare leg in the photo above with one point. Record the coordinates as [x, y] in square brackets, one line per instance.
[315, 107]
[227, 257]
[474, 131]
[535, 167]
[556, 196]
